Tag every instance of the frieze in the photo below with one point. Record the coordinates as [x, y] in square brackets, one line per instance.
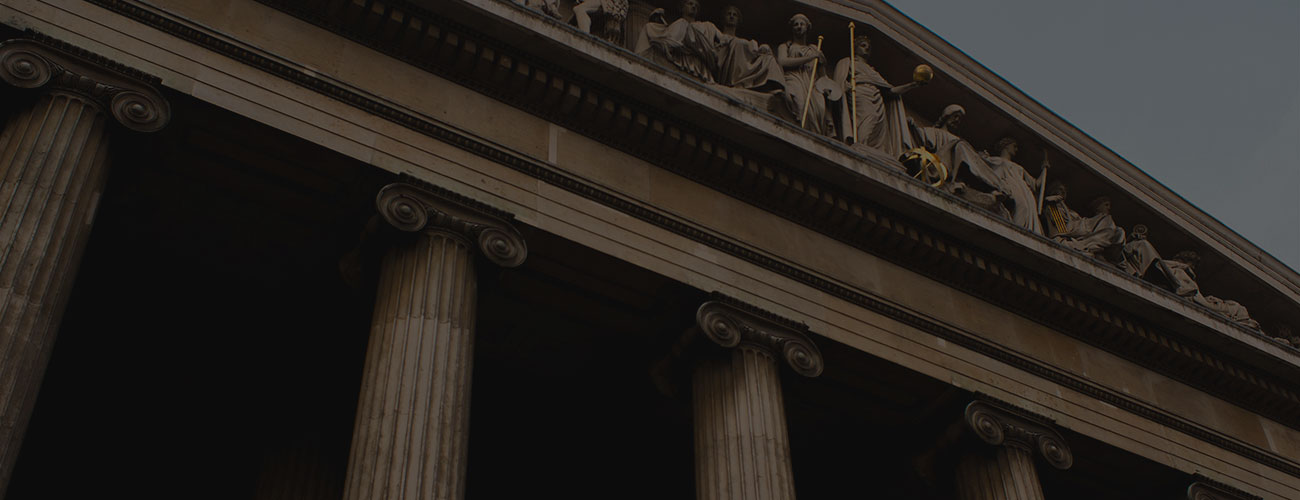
[1197, 367]
[472, 59]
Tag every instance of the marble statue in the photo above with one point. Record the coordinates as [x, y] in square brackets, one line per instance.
[688, 44]
[1010, 178]
[548, 7]
[711, 55]
[1183, 273]
[1140, 254]
[959, 158]
[873, 104]
[744, 63]
[804, 66]
[1285, 337]
[1087, 235]
[614, 10]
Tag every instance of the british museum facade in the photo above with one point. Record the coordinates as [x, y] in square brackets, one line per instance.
[634, 249]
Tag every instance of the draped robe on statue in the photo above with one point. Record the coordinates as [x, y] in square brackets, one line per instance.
[742, 65]
[961, 160]
[701, 50]
[1012, 179]
[1185, 285]
[797, 86]
[689, 46]
[881, 121]
[955, 153]
[1087, 235]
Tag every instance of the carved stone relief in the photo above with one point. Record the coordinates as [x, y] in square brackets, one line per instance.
[853, 103]
[1182, 268]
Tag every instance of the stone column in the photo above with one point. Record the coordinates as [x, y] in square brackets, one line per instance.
[1006, 470]
[741, 446]
[53, 161]
[413, 413]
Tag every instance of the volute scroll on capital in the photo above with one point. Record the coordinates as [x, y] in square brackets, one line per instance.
[415, 208]
[730, 323]
[1002, 425]
[1208, 489]
[129, 95]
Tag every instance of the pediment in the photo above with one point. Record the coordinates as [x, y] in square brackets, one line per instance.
[1230, 268]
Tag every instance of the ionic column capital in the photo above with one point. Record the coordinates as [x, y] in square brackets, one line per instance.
[1004, 425]
[1208, 489]
[414, 206]
[129, 95]
[730, 323]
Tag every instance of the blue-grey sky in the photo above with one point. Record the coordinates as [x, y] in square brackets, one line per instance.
[1203, 95]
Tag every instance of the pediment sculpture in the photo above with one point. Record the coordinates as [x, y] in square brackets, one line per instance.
[853, 103]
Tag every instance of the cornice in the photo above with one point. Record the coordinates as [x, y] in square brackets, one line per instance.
[474, 60]
[1216, 375]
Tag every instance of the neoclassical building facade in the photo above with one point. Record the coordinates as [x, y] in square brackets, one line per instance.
[450, 249]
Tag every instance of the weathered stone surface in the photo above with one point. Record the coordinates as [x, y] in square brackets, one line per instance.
[53, 159]
[742, 450]
[1007, 472]
[412, 427]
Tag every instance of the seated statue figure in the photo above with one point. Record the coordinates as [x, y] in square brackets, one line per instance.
[688, 44]
[711, 55]
[872, 109]
[1086, 235]
[1183, 273]
[960, 160]
[1139, 254]
[745, 63]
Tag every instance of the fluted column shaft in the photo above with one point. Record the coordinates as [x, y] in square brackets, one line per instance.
[53, 156]
[741, 447]
[53, 161]
[1005, 473]
[412, 429]
[742, 450]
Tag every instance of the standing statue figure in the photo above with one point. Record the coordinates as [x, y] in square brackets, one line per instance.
[881, 122]
[1086, 235]
[615, 10]
[688, 44]
[796, 57]
[744, 63]
[960, 159]
[1021, 189]
[1183, 273]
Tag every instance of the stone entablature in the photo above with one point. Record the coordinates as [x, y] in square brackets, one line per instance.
[760, 174]
[901, 238]
[849, 101]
